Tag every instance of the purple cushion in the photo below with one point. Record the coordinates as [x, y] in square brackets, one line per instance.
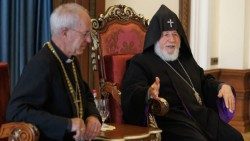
[224, 113]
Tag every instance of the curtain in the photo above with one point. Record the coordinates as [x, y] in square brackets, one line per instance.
[25, 28]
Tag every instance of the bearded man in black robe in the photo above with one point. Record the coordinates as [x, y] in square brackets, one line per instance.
[166, 69]
[51, 93]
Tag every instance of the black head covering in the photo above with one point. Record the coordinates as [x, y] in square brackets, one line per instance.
[164, 20]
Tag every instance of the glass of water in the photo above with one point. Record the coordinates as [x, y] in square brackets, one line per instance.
[103, 108]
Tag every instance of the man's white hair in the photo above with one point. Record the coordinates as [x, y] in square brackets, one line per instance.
[66, 15]
[165, 55]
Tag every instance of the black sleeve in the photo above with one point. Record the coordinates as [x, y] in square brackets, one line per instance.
[210, 90]
[134, 92]
[29, 97]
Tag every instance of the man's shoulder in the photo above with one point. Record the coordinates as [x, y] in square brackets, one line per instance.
[43, 55]
[42, 59]
[38, 66]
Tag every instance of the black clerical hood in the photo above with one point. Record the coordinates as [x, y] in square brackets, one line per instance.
[164, 20]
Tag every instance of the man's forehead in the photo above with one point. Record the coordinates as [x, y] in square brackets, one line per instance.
[174, 31]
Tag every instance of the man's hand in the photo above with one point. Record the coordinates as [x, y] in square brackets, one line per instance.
[78, 126]
[153, 90]
[93, 127]
[227, 94]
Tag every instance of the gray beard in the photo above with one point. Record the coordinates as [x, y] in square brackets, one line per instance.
[164, 55]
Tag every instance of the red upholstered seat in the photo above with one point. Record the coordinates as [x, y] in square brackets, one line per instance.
[117, 36]
[115, 66]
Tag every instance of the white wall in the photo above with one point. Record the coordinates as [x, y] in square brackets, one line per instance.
[199, 33]
[247, 34]
[213, 28]
[221, 29]
[231, 32]
[147, 8]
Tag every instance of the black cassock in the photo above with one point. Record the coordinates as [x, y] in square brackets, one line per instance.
[41, 96]
[187, 119]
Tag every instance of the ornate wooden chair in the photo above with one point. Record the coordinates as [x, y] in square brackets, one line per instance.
[14, 131]
[117, 36]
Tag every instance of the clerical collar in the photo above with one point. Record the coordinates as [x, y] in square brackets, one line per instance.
[69, 60]
[62, 56]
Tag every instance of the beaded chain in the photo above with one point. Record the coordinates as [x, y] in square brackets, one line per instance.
[75, 94]
[196, 94]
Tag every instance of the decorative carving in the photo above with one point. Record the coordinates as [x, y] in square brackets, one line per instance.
[118, 12]
[94, 51]
[19, 131]
[119, 31]
[111, 88]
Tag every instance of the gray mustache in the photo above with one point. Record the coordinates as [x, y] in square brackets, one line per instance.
[170, 46]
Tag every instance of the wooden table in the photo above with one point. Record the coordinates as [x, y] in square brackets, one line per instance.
[129, 132]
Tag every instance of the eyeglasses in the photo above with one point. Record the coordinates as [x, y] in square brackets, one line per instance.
[84, 35]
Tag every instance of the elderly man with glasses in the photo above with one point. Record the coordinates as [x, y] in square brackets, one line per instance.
[51, 92]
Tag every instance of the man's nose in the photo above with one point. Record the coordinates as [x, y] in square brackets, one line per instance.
[171, 38]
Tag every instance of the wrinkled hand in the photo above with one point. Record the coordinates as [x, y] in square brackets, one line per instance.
[227, 94]
[93, 127]
[153, 90]
[78, 126]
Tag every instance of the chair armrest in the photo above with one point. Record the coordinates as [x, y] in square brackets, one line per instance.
[19, 131]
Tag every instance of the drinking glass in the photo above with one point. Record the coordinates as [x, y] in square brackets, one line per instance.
[103, 108]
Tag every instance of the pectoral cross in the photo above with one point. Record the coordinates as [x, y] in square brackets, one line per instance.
[197, 96]
[77, 101]
[170, 22]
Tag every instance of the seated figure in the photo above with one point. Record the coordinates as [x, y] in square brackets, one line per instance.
[51, 93]
[167, 70]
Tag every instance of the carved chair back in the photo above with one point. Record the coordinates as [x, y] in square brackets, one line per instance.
[117, 36]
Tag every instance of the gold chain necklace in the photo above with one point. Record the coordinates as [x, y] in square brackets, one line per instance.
[196, 94]
[75, 94]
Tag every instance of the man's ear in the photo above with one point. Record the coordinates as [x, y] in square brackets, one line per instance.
[64, 31]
